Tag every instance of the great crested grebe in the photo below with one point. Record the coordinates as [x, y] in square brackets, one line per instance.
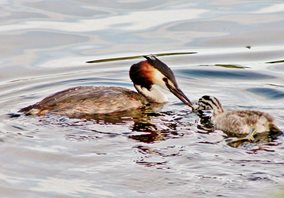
[238, 123]
[147, 76]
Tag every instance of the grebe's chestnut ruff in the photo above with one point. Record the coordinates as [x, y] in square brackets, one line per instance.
[147, 76]
[239, 123]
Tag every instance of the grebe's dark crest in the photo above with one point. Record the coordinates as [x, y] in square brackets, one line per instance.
[239, 122]
[147, 77]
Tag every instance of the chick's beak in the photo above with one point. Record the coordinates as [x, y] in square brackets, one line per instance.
[178, 93]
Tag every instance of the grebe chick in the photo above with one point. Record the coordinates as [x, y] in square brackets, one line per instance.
[239, 122]
[147, 76]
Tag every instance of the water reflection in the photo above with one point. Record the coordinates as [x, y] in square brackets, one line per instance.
[275, 62]
[139, 20]
[227, 74]
[140, 56]
[44, 46]
[157, 158]
[271, 93]
[149, 125]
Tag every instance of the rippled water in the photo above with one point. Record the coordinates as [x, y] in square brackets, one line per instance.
[239, 59]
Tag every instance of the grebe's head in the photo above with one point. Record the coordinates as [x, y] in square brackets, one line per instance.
[209, 103]
[152, 73]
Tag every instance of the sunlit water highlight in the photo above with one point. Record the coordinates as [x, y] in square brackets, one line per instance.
[44, 49]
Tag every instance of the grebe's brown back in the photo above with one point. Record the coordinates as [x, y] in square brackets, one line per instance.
[239, 122]
[147, 76]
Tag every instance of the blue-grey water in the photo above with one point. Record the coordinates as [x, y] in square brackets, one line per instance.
[44, 49]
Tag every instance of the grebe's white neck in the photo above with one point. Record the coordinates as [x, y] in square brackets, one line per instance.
[152, 95]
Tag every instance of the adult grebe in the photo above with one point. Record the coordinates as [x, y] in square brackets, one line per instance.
[147, 76]
[237, 123]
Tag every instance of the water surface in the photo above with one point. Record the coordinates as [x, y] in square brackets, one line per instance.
[44, 49]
